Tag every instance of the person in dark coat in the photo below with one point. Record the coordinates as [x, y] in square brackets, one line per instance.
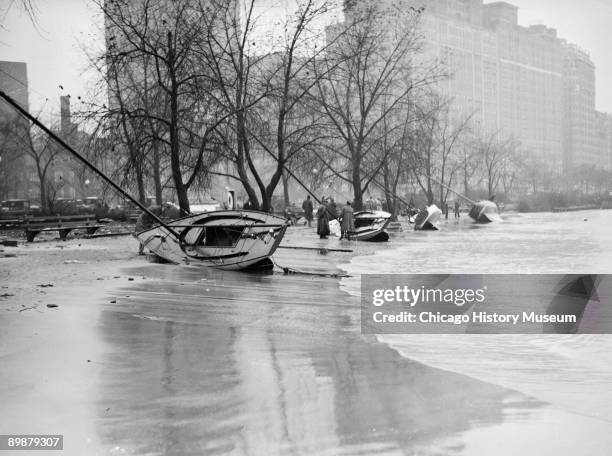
[347, 225]
[308, 209]
[323, 220]
[145, 222]
[332, 209]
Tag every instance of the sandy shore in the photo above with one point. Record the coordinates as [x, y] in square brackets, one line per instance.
[143, 358]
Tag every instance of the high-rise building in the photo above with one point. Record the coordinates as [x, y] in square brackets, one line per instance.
[508, 77]
[602, 138]
[14, 177]
[14, 82]
[583, 129]
[524, 82]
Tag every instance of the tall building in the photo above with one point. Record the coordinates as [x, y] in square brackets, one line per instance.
[14, 82]
[14, 177]
[583, 127]
[524, 82]
[602, 137]
[508, 77]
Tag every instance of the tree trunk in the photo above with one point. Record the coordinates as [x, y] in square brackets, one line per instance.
[357, 190]
[43, 191]
[286, 188]
[157, 174]
[175, 165]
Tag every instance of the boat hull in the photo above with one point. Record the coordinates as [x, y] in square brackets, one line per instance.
[229, 240]
[485, 212]
[370, 226]
[428, 219]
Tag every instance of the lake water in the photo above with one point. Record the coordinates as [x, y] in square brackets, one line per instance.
[571, 372]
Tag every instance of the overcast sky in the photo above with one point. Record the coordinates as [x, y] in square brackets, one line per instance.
[53, 48]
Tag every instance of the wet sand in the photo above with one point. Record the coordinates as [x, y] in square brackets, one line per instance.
[189, 361]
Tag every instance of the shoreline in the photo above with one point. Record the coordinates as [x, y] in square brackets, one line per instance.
[214, 360]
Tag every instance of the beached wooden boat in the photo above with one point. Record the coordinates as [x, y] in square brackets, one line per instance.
[370, 226]
[428, 218]
[485, 211]
[230, 239]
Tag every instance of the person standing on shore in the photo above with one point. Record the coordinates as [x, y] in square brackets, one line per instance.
[323, 220]
[348, 222]
[308, 209]
[457, 207]
[332, 209]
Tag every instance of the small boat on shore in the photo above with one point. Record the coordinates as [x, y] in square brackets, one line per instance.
[229, 239]
[370, 226]
[485, 211]
[428, 218]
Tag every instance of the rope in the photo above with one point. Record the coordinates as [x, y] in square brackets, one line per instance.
[288, 270]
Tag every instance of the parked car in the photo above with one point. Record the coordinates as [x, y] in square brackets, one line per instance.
[14, 208]
[88, 206]
[132, 212]
[64, 206]
[35, 209]
[117, 212]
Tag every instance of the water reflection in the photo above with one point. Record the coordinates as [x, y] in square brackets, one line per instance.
[202, 365]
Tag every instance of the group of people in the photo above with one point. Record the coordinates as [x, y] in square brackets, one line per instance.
[457, 210]
[328, 211]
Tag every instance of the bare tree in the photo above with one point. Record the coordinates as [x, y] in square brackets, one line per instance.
[496, 153]
[159, 44]
[41, 150]
[367, 75]
[27, 6]
[265, 86]
[440, 148]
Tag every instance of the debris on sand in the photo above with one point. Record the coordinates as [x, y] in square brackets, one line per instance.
[52, 306]
[27, 308]
[45, 285]
[6, 295]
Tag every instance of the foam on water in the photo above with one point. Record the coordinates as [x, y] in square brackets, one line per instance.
[573, 372]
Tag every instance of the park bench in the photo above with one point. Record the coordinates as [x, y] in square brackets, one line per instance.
[6, 224]
[62, 224]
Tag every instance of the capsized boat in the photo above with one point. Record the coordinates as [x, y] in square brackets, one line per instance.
[428, 218]
[370, 226]
[485, 211]
[227, 239]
